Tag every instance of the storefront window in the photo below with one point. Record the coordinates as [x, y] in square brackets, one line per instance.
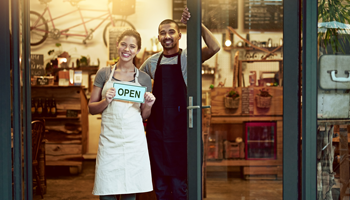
[242, 131]
[333, 99]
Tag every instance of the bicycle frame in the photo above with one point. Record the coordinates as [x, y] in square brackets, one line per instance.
[105, 16]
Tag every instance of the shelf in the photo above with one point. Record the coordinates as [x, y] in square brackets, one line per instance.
[208, 74]
[232, 119]
[58, 117]
[253, 141]
[337, 140]
[254, 49]
[243, 162]
[57, 86]
[83, 68]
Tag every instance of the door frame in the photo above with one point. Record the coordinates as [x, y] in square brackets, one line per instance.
[291, 101]
[309, 111]
[194, 90]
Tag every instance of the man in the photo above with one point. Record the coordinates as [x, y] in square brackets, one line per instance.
[167, 125]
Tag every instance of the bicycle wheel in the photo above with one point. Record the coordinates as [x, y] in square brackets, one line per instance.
[38, 29]
[120, 25]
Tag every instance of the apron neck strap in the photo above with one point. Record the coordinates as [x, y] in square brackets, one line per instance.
[112, 72]
[136, 75]
[178, 57]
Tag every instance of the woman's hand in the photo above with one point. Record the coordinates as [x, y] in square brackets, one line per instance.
[149, 99]
[147, 105]
[110, 94]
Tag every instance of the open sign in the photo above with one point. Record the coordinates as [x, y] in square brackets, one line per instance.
[129, 92]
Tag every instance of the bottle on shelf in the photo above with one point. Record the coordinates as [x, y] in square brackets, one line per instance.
[47, 109]
[53, 108]
[33, 108]
[40, 108]
[44, 114]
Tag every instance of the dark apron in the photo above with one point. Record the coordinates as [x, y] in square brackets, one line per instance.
[167, 125]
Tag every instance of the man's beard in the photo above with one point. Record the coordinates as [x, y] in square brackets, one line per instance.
[170, 46]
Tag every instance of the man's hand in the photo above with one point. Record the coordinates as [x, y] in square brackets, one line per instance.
[110, 94]
[185, 16]
[149, 99]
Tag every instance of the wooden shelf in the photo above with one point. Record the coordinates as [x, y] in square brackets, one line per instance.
[58, 117]
[65, 135]
[253, 141]
[83, 68]
[57, 86]
[208, 74]
[243, 163]
[254, 49]
[234, 119]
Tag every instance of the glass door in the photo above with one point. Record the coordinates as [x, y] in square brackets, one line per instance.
[331, 88]
[242, 133]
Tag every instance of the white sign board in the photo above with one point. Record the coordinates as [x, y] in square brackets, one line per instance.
[129, 92]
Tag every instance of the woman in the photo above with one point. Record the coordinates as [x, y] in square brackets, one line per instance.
[122, 164]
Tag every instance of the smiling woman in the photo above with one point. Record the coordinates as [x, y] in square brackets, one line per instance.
[122, 163]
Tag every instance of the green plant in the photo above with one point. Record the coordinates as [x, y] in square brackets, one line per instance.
[233, 94]
[334, 10]
[83, 61]
[50, 52]
[264, 93]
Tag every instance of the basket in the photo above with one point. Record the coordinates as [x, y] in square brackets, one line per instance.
[43, 80]
[263, 102]
[231, 103]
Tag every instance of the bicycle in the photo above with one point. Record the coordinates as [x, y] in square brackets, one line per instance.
[39, 29]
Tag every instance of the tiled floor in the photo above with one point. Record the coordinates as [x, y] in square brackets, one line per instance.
[220, 186]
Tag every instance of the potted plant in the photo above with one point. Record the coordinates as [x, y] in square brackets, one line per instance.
[232, 99]
[263, 99]
[333, 18]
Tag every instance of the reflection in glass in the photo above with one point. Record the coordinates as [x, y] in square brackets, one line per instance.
[242, 132]
[333, 100]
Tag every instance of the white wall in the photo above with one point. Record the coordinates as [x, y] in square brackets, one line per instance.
[148, 15]
[145, 21]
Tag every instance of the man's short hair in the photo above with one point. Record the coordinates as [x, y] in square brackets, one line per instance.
[169, 21]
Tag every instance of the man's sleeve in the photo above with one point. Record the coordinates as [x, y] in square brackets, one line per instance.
[144, 67]
[146, 81]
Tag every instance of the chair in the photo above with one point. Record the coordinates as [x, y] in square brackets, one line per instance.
[38, 130]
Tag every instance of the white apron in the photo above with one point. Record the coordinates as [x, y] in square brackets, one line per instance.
[122, 163]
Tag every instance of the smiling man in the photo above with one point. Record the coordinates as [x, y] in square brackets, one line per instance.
[167, 126]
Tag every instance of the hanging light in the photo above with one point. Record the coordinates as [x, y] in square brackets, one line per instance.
[227, 40]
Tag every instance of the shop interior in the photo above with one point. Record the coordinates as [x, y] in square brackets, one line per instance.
[243, 83]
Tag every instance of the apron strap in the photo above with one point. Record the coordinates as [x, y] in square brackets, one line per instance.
[178, 58]
[112, 72]
[136, 75]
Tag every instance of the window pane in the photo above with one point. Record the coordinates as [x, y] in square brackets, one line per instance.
[333, 100]
[243, 84]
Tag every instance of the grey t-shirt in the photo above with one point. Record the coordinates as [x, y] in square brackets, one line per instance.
[150, 65]
[103, 74]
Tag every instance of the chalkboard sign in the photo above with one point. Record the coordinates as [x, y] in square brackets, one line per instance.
[263, 15]
[219, 14]
[178, 7]
[37, 65]
[216, 14]
[247, 101]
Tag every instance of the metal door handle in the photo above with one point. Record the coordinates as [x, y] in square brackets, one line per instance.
[190, 107]
[339, 79]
